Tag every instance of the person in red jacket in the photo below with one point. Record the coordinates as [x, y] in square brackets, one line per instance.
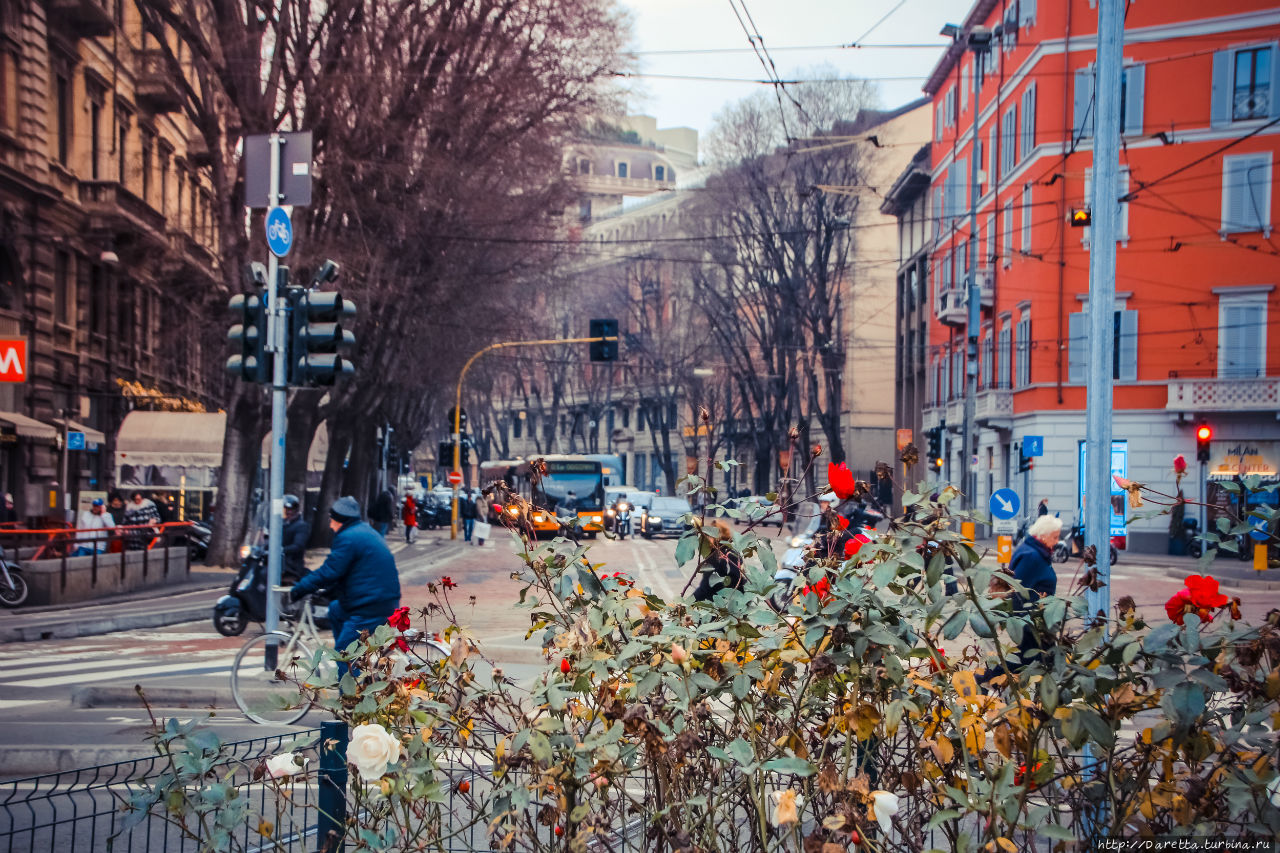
[409, 515]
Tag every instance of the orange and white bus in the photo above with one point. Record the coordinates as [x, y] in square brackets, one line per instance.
[549, 498]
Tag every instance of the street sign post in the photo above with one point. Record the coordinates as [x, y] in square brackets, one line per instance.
[279, 232]
[1005, 503]
[1033, 445]
[13, 360]
[1004, 527]
[455, 478]
[904, 438]
[75, 441]
[292, 160]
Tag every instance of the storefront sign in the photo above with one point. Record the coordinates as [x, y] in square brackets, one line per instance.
[13, 359]
[1244, 458]
[1119, 467]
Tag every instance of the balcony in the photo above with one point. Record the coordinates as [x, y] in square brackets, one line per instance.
[987, 284]
[82, 18]
[186, 253]
[115, 210]
[994, 408]
[951, 307]
[198, 150]
[157, 88]
[1188, 395]
[613, 185]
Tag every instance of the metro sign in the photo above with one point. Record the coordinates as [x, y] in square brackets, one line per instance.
[13, 359]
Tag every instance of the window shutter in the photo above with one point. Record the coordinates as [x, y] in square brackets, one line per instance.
[1082, 123]
[1127, 365]
[1240, 340]
[1027, 9]
[1245, 201]
[1220, 100]
[1028, 121]
[944, 377]
[991, 239]
[1026, 218]
[1274, 112]
[1134, 82]
[1077, 348]
[992, 174]
[960, 173]
[1004, 355]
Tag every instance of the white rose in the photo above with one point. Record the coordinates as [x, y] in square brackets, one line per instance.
[884, 806]
[284, 765]
[371, 749]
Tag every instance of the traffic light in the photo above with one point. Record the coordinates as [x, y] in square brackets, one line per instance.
[444, 454]
[604, 350]
[1025, 463]
[461, 418]
[248, 337]
[1081, 217]
[317, 337]
[1204, 434]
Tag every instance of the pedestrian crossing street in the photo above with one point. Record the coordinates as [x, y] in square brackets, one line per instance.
[144, 656]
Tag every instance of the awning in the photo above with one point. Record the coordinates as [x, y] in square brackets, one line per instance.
[28, 427]
[176, 439]
[91, 435]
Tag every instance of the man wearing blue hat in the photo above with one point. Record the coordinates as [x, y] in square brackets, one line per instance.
[359, 573]
[95, 518]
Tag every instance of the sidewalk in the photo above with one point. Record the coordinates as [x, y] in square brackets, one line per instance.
[172, 605]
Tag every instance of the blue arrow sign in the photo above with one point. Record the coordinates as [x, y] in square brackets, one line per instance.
[1259, 531]
[1005, 503]
[1032, 445]
[279, 232]
[75, 441]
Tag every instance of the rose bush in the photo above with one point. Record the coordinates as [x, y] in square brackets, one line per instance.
[885, 714]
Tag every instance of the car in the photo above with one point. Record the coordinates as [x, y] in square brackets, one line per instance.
[665, 516]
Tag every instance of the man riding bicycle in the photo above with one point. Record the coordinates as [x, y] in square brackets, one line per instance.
[359, 573]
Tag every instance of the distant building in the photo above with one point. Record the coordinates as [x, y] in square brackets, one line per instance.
[630, 159]
[106, 234]
[1196, 259]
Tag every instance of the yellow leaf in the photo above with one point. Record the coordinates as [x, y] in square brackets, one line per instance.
[1006, 845]
[965, 685]
[1181, 810]
[265, 828]
[975, 740]
[1063, 713]
[1004, 741]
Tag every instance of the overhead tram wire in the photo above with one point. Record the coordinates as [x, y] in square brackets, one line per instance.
[757, 44]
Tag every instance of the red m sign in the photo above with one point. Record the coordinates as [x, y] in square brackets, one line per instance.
[13, 359]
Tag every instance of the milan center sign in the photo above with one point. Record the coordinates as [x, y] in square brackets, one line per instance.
[13, 359]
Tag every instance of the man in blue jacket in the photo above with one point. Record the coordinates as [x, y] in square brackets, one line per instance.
[359, 573]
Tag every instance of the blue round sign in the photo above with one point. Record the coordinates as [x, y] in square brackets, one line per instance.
[279, 232]
[1005, 503]
[1259, 531]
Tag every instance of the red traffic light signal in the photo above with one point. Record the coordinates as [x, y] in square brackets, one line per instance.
[1204, 433]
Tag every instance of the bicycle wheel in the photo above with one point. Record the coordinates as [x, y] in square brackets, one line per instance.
[14, 594]
[261, 694]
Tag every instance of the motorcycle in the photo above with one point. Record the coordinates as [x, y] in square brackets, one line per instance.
[246, 601]
[1072, 545]
[622, 519]
[199, 535]
[13, 586]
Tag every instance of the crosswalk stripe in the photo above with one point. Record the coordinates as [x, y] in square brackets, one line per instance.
[36, 667]
[121, 674]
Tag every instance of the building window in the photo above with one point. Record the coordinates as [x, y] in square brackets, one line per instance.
[944, 378]
[166, 155]
[1028, 136]
[1122, 207]
[990, 237]
[987, 357]
[1124, 346]
[1242, 334]
[1246, 193]
[148, 149]
[1006, 241]
[97, 300]
[584, 209]
[1026, 218]
[1023, 369]
[64, 295]
[621, 169]
[8, 91]
[124, 315]
[584, 166]
[1131, 100]
[957, 372]
[122, 146]
[1250, 90]
[1008, 141]
[964, 87]
[659, 173]
[1005, 355]
[62, 96]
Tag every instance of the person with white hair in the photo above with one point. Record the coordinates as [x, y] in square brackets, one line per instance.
[1032, 566]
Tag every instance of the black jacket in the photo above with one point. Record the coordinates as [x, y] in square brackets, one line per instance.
[360, 572]
[383, 508]
[294, 546]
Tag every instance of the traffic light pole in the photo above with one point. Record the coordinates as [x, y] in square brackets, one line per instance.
[276, 327]
[457, 406]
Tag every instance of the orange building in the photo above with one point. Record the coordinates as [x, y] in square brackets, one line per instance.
[1197, 262]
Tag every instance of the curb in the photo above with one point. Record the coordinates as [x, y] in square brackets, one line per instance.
[23, 761]
[119, 696]
[66, 628]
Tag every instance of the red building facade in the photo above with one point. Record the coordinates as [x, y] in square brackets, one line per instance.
[1197, 261]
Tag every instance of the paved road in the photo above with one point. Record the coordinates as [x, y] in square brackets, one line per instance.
[185, 667]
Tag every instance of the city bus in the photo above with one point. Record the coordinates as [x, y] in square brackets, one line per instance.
[582, 475]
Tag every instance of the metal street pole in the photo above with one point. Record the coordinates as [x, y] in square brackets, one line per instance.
[979, 40]
[1102, 295]
[279, 401]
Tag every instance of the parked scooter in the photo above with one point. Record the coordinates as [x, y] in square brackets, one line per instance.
[1072, 545]
[246, 601]
[199, 535]
[13, 586]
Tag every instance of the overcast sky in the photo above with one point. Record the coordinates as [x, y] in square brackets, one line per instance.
[665, 25]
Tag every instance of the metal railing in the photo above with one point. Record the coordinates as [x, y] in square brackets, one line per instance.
[85, 810]
[37, 545]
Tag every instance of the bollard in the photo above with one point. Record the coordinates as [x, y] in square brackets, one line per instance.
[1260, 556]
[332, 800]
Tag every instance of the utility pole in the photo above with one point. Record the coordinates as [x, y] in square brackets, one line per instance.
[276, 328]
[1102, 295]
[979, 41]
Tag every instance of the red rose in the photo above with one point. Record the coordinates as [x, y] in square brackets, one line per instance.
[937, 661]
[840, 480]
[822, 589]
[401, 644]
[842, 523]
[447, 582]
[1200, 596]
[400, 619]
[1179, 464]
[564, 665]
[855, 544]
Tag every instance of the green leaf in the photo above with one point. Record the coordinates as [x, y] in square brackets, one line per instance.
[741, 752]
[789, 764]
[1049, 693]
[741, 686]
[1158, 640]
[1055, 832]
[590, 583]
[204, 740]
[955, 625]
[555, 697]
[1054, 612]
[767, 559]
[884, 573]
[685, 549]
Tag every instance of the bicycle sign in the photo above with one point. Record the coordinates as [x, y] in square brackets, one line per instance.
[279, 232]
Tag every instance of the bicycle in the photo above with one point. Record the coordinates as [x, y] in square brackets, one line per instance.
[271, 694]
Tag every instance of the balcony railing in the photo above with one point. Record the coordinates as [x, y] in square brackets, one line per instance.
[612, 184]
[82, 18]
[113, 208]
[951, 307]
[994, 407]
[1224, 394]
[157, 88]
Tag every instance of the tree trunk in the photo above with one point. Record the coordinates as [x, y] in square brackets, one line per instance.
[304, 418]
[362, 468]
[241, 452]
[331, 481]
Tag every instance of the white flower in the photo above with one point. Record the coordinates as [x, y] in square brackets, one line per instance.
[371, 749]
[884, 806]
[284, 765]
[1273, 792]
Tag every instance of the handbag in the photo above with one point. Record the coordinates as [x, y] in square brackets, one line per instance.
[482, 530]
[413, 535]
